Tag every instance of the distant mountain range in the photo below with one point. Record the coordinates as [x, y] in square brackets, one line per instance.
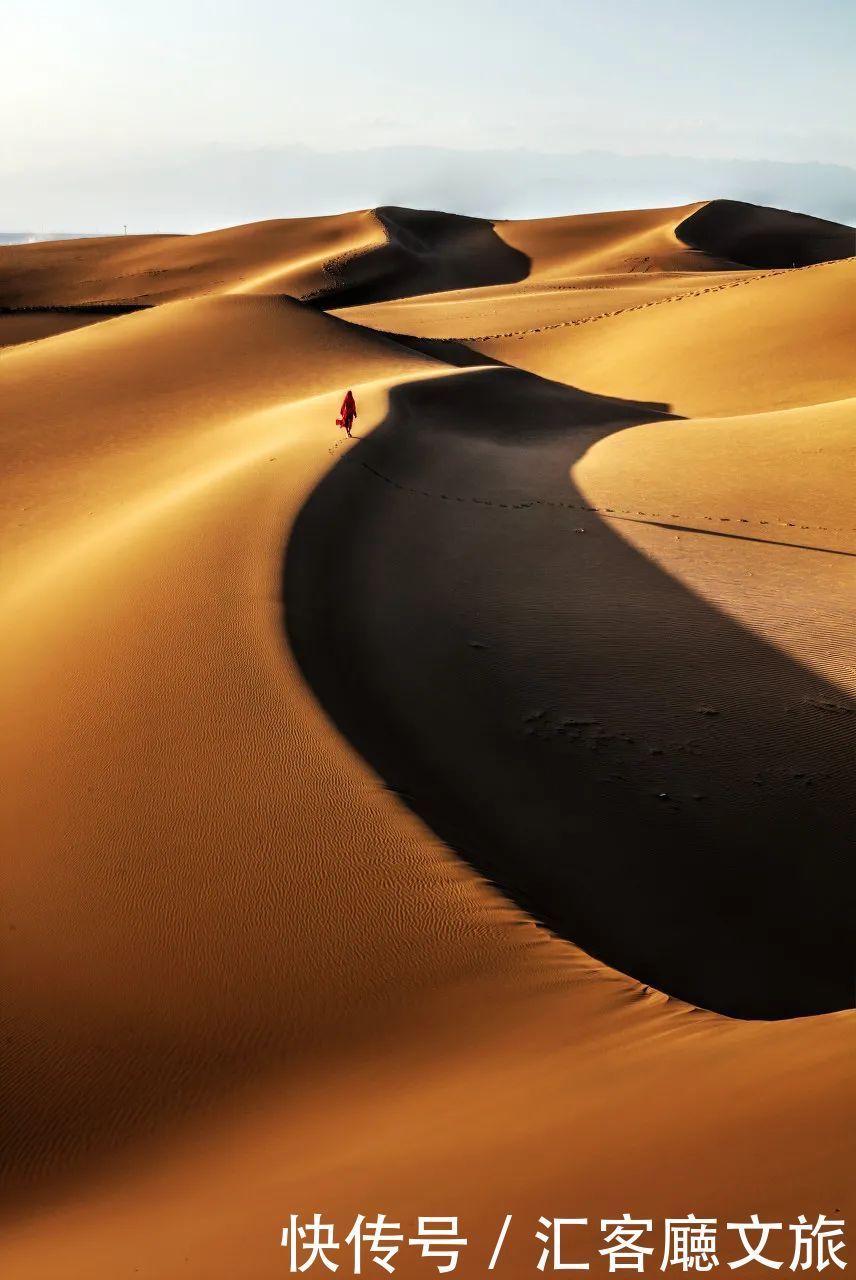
[215, 187]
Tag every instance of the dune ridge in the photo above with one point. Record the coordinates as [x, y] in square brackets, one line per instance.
[602, 741]
[242, 977]
[756, 236]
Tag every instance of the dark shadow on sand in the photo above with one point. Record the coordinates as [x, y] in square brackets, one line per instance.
[426, 252]
[624, 761]
[755, 236]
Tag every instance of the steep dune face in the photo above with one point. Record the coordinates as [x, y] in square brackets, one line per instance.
[758, 237]
[241, 978]
[638, 240]
[425, 252]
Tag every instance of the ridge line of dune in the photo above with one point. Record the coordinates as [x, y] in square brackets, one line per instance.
[421, 465]
[644, 306]
[167, 493]
[330, 266]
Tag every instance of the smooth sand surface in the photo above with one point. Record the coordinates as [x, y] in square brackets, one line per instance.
[697, 354]
[285, 256]
[264, 687]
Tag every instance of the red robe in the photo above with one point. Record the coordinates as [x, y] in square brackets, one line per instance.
[348, 412]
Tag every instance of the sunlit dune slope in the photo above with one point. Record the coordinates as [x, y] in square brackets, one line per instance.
[283, 256]
[159, 786]
[790, 462]
[387, 253]
[708, 235]
[351, 257]
[567, 268]
[755, 514]
[586, 267]
[162, 379]
[591, 244]
[771, 341]
[432, 253]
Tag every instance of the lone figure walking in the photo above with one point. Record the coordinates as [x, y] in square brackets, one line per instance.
[348, 412]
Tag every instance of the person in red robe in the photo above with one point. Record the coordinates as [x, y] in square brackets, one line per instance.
[348, 412]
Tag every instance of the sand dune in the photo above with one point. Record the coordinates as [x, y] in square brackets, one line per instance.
[31, 324]
[347, 258]
[590, 244]
[90, 519]
[284, 256]
[284, 706]
[705, 236]
[388, 253]
[696, 353]
[528, 305]
[425, 253]
[591, 268]
[608, 763]
[759, 237]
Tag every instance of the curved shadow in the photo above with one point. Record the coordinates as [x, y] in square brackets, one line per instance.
[627, 763]
[425, 252]
[756, 236]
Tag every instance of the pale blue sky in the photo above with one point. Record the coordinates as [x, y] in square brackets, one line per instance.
[108, 82]
[742, 78]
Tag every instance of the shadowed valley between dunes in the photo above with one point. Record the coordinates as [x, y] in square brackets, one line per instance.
[623, 760]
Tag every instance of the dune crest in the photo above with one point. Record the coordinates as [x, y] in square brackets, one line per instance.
[754, 236]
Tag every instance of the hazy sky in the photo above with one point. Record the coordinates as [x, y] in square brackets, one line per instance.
[741, 78]
[108, 106]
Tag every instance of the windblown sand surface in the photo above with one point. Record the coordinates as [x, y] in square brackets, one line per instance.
[304, 736]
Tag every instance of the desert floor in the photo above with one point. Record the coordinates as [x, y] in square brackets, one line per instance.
[455, 820]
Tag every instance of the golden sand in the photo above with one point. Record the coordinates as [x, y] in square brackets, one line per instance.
[241, 979]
